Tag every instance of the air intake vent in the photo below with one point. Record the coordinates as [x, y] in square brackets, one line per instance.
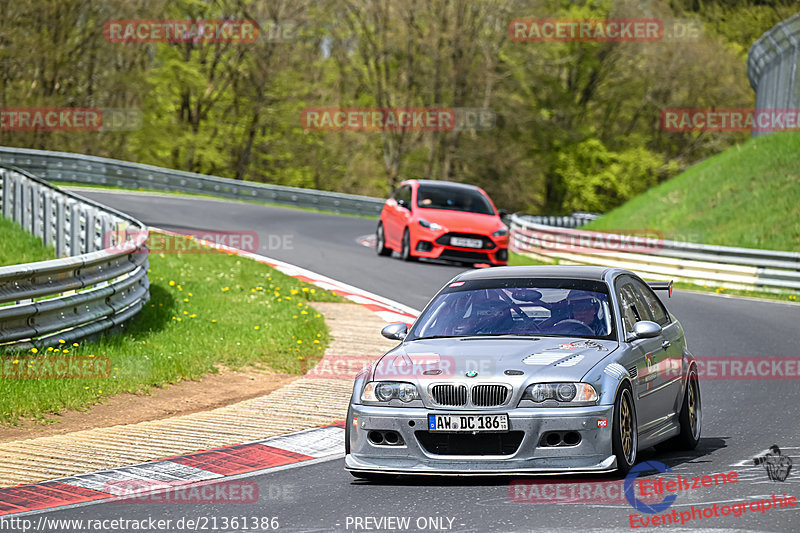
[489, 395]
[454, 395]
[633, 372]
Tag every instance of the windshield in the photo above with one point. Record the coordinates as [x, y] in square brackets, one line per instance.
[453, 199]
[575, 308]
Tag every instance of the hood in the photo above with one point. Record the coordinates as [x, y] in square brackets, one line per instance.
[534, 359]
[459, 221]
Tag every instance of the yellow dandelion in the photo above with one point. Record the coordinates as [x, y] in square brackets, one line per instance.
[190, 294]
[186, 299]
[86, 388]
[299, 341]
[50, 349]
[62, 341]
[179, 319]
[316, 341]
[305, 289]
[171, 283]
[294, 316]
[91, 355]
[256, 327]
[293, 291]
[319, 334]
[186, 312]
[303, 312]
[214, 320]
[75, 344]
[34, 350]
[192, 316]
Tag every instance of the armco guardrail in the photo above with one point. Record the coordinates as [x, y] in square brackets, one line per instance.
[652, 257]
[101, 284]
[77, 168]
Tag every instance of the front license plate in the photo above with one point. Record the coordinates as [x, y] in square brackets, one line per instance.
[468, 423]
[464, 242]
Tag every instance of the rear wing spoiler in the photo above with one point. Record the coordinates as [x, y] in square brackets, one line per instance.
[661, 286]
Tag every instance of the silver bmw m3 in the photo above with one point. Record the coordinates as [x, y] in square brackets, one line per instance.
[540, 369]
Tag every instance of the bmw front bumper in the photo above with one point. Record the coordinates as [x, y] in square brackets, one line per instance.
[414, 456]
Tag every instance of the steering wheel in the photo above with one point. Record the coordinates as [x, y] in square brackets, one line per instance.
[528, 319]
[582, 329]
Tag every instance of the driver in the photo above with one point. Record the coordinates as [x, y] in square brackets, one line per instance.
[584, 308]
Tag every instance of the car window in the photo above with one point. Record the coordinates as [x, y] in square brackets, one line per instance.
[403, 194]
[658, 312]
[519, 307]
[452, 199]
[631, 309]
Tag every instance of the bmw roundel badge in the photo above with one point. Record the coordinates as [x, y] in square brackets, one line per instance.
[472, 373]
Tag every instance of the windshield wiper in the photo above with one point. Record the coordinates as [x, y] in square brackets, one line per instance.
[482, 335]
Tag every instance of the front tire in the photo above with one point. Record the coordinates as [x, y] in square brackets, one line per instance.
[624, 437]
[380, 242]
[405, 250]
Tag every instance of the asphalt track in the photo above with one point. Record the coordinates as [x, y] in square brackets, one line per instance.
[742, 418]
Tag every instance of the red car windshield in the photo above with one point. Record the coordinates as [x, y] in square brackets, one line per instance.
[452, 199]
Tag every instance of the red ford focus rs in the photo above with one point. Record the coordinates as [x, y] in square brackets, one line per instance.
[442, 220]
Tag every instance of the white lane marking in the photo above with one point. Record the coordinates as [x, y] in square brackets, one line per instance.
[320, 442]
[167, 471]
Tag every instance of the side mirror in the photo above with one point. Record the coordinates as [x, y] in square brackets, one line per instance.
[645, 329]
[396, 331]
[404, 204]
[502, 212]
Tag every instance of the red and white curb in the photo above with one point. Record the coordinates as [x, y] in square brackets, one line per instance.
[274, 453]
[311, 445]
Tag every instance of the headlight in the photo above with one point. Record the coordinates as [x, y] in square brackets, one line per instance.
[502, 232]
[430, 225]
[384, 391]
[561, 392]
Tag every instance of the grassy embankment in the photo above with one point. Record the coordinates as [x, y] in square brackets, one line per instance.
[208, 311]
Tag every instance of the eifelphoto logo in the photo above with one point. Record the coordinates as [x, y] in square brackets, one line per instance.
[199, 31]
[777, 465]
[729, 120]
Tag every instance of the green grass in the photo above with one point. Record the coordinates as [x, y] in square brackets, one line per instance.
[747, 196]
[207, 310]
[18, 246]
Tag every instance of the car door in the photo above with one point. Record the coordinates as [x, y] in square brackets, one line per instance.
[646, 353]
[396, 216]
[672, 343]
